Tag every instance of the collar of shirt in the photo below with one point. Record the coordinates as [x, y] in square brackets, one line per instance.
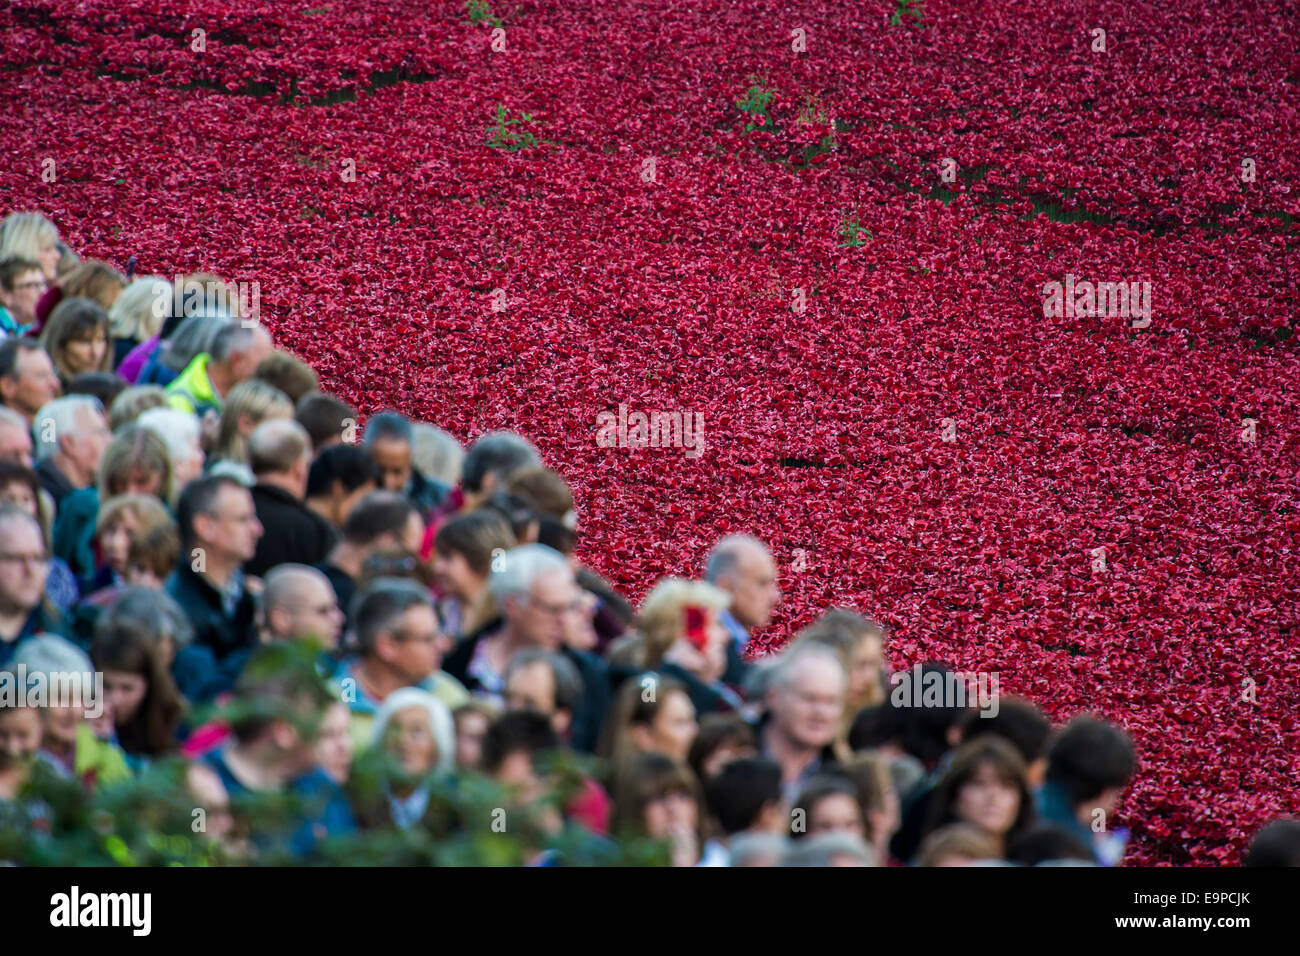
[735, 629]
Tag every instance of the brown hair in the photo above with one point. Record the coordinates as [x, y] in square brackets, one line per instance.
[72, 320]
[630, 708]
[985, 750]
[156, 550]
[93, 279]
[134, 449]
[126, 646]
[543, 489]
[957, 839]
[649, 777]
[288, 373]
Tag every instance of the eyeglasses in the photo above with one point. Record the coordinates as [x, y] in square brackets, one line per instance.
[22, 558]
[426, 638]
[32, 284]
[558, 610]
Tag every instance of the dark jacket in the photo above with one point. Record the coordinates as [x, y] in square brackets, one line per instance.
[214, 629]
[55, 482]
[589, 715]
[426, 494]
[42, 620]
[292, 532]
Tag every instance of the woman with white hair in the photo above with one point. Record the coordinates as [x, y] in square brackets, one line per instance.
[414, 736]
[181, 433]
[29, 235]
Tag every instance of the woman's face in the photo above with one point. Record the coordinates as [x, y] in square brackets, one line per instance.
[988, 801]
[836, 813]
[123, 694]
[674, 727]
[670, 814]
[19, 494]
[142, 481]
[20, 734]
[410, 740]
[454, 576]
[49, 256]
[87, 353]
[864, 674]
[115, 540]
[471, 728]
[334, 745]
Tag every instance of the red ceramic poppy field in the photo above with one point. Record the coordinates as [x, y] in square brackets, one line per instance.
[826, 236]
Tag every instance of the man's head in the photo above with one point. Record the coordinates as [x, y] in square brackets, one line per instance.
[279, 453]
[238, 349]
[216, 514]
[742, 566]
[512, 747]
[72, 431]
[15, 438]
[338, 479]
[22, 283]
[491, 461]
[388, 439]
[182, 435]
[279, 701]
[806, 696]
[536, 592]
[546, 682]
[328, 420]
[24, 562]
[383, 520]
[746, 795]
[298, 603]
[397, 629]
[27, 377]
[1092, 762]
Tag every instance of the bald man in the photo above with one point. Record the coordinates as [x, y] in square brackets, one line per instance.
[298, 604]
[742, 566]
[279, 454]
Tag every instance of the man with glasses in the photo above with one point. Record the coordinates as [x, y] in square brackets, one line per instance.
[298, 604]
[71, 435]
[28, 381]
[22, 283]
[538, 595]
[400, 643]
[24, 566]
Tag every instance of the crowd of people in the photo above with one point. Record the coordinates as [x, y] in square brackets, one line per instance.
[180, 503]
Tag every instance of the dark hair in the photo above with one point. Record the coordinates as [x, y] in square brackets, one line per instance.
[377, 514]
[1046, 841]
[517, 512]
[820, 787]
[544, 490]
[279, 682]
[496, 453]
[324, 416]
[14, 266]
[1018, 722]
[568, 682]
[554, 533]
[377, 608]
[155, 549]
[718, 731]
[13, 473]
[920, 731]
[976, 753]
[9, 350]
[475, 536]
[649, 777]
[125, 644]
[349, 465]
[104, 386]
[739, 793]
[200, 497]
[517, 731]
[388, 426]
[74, 319]
[1089, 756]
[1276, 844]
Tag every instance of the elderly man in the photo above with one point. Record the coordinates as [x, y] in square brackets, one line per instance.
[742, 566]
[71, 435]
[298, 604]
[24, 566]
[15, 438]
[204, 383]
[27, 377]
[805, 709]
[279, 453]
[535, 590]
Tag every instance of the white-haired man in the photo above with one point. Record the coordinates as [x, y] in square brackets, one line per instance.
[742, 566]
[71, 435]
[805, 709]
[536, 592]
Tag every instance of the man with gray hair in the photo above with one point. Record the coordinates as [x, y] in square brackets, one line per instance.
[15, 438]
[279, 454]
[805, 710]
[71, 435]
[400, 643]
[829, 849]
[389, 438]
[537, 595]
[236, 350]
[742, 566]
[490, 462]
[24, 568]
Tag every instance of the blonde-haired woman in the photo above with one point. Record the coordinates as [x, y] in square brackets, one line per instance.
[138, 314]
[681, 634]
[246, 406]
[29, 235]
